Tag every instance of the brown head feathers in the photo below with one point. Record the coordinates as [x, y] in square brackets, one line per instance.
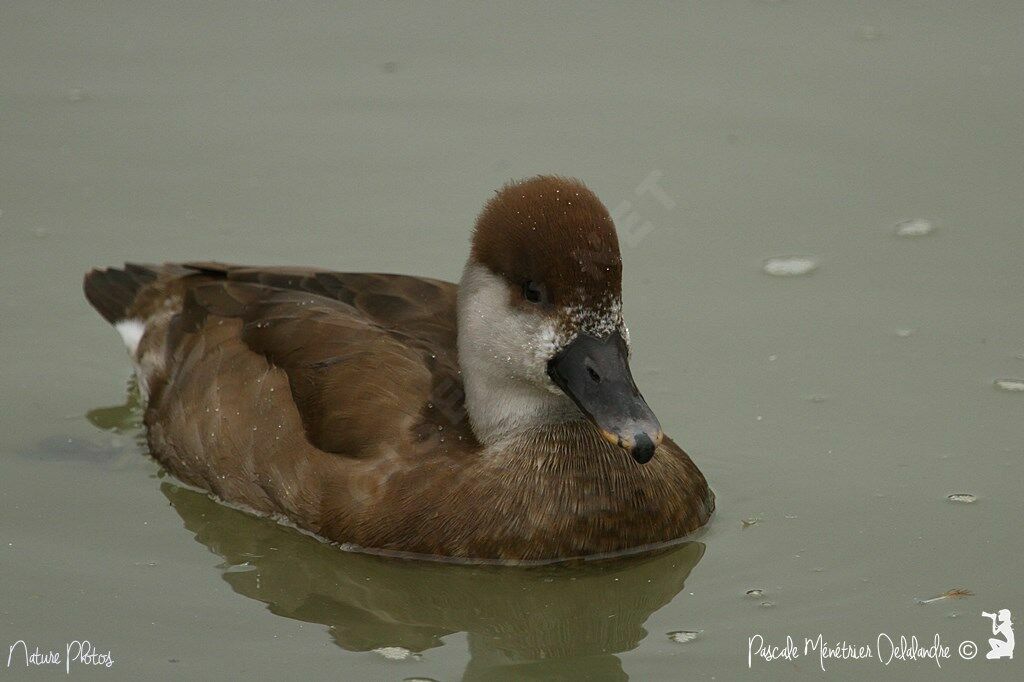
[551, 239]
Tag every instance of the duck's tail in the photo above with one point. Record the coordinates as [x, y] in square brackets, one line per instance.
[133, 299]
[112, 292]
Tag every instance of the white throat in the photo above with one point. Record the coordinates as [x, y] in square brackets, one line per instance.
[503, 354]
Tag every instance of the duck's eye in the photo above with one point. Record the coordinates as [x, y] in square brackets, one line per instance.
[534, 293]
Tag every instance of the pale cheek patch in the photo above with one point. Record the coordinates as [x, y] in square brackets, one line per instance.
[548, 343]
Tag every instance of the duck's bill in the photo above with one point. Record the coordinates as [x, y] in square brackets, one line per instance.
[595, 374]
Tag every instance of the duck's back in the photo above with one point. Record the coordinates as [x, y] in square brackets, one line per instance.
[273, 387]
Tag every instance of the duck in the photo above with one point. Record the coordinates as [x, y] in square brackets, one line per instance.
[495, 419]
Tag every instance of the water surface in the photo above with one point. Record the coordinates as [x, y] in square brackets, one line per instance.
[834, 412]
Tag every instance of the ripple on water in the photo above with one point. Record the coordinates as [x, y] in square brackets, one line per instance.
[684, 636]
[917, 227]
[1011, 385]
[868, 33]
[76, 95]
[962, 498]
[790, 266]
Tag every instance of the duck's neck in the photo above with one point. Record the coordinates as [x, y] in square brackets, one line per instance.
[501, 409]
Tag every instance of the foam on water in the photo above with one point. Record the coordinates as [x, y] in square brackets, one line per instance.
[684, 636]
[1011, 385]
[790, 266]
[917, 227]
[395, 653]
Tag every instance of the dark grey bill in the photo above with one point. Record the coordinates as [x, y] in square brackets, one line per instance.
[595, 373]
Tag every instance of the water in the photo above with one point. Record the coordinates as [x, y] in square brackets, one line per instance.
[367, 138]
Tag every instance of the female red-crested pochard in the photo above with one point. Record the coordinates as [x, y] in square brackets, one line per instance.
[495, 419]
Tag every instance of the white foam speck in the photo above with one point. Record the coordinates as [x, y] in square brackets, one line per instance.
[395, 653]
[1012, 385]
[917, 227]
[789, 266]
[684, 636]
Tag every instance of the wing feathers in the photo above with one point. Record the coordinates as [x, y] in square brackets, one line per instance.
[364, 353]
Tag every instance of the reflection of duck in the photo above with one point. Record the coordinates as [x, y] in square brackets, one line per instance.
[486, 420]
[522, 623]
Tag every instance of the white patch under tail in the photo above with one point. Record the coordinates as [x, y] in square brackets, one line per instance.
[131, 332]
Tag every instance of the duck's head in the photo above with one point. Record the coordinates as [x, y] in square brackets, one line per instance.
[541, 334]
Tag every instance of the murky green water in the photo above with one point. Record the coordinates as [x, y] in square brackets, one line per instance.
[833, 412]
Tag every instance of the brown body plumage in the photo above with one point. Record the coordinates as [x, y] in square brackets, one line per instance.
[337, 401]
